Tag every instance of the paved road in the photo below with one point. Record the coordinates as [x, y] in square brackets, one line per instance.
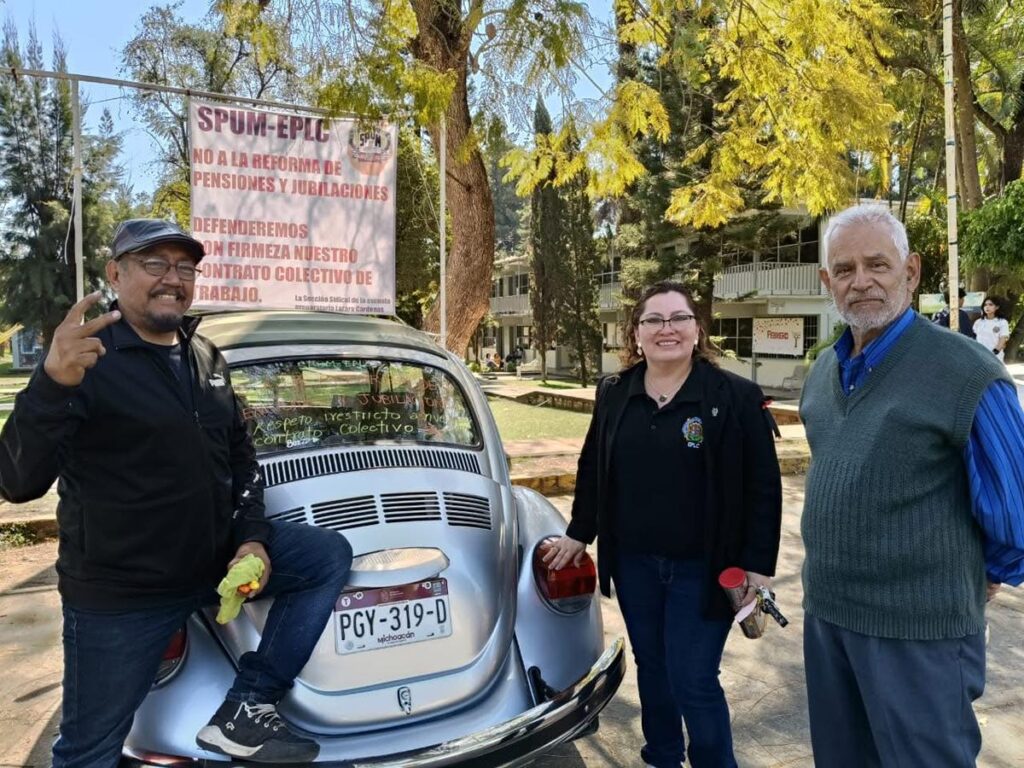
[763, 678]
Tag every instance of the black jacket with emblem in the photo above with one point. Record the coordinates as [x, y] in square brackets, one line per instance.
[743, 484]
[156, 493]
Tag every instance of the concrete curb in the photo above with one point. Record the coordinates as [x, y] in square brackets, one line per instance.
[560, 483]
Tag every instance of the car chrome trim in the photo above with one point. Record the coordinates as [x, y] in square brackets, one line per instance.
[514, 743]
[278, 471]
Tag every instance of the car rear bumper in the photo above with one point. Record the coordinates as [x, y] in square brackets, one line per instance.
[514, 742]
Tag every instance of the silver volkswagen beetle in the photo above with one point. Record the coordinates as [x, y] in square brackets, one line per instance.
[452, 643]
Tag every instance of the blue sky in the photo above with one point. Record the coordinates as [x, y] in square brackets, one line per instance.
[95, 31]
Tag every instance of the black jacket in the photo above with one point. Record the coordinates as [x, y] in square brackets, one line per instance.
[156, 493]
[744, 487]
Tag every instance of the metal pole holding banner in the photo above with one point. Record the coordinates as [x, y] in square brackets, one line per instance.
[951, 180]
[443, 133]
[76, 204]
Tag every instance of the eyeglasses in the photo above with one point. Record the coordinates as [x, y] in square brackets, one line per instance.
[676, 322]
[159, 268]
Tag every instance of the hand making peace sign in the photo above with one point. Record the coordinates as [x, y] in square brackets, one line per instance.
[75, 349]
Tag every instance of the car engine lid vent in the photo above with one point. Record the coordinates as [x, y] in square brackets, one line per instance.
[465, 510]
[341, 514]
[410, 507]
[278, 471]
[296, 515]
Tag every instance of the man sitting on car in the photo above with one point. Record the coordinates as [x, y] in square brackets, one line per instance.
[160, 493]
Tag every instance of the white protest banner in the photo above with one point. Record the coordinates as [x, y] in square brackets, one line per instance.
[779, 335]
[295, 212]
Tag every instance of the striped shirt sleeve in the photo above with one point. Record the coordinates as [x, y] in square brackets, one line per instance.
[994, 457]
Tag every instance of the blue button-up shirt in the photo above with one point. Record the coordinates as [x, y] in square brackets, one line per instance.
[991, 457]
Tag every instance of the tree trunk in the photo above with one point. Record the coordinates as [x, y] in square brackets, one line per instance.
[442, 43]
[1016, 339]
[970, 181]
[907, 173]
[1013, 152]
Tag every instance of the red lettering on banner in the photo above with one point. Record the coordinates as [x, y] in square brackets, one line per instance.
[237, 293]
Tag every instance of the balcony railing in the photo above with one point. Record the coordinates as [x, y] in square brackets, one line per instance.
[510, 305]
[768, 279]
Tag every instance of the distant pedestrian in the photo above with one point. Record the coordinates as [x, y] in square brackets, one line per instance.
[912, 514]
[992, 330]
[942, 317]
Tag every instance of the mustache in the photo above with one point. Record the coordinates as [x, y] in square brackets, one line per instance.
[853, 297]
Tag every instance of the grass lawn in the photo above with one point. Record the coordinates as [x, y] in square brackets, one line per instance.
[517, 421]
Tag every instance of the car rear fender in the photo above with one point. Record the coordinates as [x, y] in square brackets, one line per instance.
[562, 646]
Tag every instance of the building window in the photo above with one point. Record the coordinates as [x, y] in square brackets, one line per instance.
[612, 335]
[524, 336]
[810, 332]
[524, 284]
[735, 334]
[809, 245]
[494, 288]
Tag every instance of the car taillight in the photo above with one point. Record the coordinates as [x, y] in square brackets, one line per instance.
[568, 590]
[174, 654]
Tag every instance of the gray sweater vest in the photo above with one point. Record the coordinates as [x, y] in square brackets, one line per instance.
[892, 546]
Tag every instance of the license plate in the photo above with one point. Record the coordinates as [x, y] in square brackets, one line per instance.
[370, 619]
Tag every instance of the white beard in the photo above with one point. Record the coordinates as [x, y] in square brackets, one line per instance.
[871, 321]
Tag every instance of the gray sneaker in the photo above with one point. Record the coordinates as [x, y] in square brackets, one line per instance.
[255, 732]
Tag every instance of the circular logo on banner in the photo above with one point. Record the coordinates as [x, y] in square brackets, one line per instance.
[369, 149]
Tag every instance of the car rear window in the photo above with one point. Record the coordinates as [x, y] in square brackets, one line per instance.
[321, 402]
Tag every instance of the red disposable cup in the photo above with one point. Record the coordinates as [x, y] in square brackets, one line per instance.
[732, 578]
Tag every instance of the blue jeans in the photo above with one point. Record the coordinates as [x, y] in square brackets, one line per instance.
[677, 653]
[111, 659]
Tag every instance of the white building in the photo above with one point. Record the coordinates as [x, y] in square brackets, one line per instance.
[769, 308]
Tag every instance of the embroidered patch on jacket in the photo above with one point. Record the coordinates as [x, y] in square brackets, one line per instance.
[693, 431]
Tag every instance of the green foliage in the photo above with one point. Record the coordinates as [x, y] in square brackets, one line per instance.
[822, 345]
[993, 235]
[928, 237]
[417, 247]
[579, 325]
[37, 265]
[547, 249]
[16, 535]
[245, 52]
[508, 207]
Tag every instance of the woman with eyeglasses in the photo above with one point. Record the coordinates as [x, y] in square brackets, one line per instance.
[992, 330]
[677, 480]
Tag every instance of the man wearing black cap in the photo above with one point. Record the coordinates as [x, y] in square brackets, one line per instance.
[942, 318]
[160, 493]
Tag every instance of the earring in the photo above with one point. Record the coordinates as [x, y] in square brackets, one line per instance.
[639, 350]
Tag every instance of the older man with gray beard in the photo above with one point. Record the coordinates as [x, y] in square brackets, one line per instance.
[913, 513]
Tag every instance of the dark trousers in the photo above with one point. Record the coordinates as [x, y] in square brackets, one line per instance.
[111, 659]
[677, 653]
[893, 703]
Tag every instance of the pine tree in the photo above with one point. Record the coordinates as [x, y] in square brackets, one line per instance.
[547, 248]
[579, 324]
[37, 265]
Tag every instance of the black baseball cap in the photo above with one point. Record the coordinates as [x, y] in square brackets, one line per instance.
[138, 234]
